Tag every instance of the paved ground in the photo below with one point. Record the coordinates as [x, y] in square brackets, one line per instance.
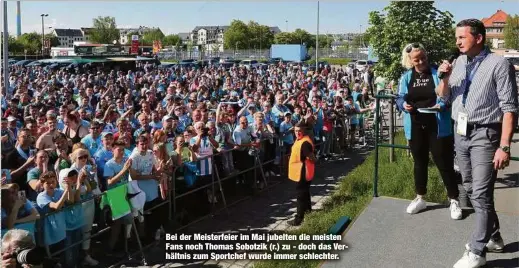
[385, 236]
[507, 186]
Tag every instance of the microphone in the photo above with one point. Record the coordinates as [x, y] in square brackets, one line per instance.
[451, 59]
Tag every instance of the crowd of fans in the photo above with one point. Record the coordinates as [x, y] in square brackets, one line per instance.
[67, 137]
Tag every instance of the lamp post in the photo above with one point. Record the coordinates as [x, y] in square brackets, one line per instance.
[5, 51]
[317, 41]
[286, 21]
[43, 33]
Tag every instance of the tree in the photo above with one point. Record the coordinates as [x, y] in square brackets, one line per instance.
[152, 35]
[511, 32]
[260, 35]
[105, 30]
[54, 41]
[31, 42]
[284, 38]
[14, 46]
[404, 23]
[237, 35]
[171, 40]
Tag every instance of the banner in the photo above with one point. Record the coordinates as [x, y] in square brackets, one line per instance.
[135, 45]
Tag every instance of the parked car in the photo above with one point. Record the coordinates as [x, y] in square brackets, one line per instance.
[249, 64]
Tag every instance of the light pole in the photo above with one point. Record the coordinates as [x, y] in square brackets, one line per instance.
[5, 52]
[43, 33]
[286, 21]
[317, 41]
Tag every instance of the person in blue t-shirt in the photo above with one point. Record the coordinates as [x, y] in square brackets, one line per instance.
[93, 141]
[68, 178]
[16, 210]
[103, 155]
[116, 173]
[286, 133]
[50, 200]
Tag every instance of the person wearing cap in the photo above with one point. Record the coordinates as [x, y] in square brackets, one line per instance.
[52, 199]
[8, 138]
[104, 154]
[12, 125]
[69, 179]
[93, 140]
[44, 142]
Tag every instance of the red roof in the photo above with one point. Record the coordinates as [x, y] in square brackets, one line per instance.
[499, 16]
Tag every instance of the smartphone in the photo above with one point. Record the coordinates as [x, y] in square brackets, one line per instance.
[22, 196]
[32, 152]
[6, 176]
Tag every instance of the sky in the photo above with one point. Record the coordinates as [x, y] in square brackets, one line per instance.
[175, 16]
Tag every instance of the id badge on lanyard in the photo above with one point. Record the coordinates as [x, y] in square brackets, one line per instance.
[463, 117]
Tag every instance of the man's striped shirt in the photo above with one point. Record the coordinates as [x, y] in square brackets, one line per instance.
[491, 93]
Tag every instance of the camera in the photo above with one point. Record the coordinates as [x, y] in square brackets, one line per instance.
[32, 256]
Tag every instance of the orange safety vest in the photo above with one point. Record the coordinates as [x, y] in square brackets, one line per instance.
[295, 165]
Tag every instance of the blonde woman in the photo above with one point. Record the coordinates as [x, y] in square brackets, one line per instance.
[83, 163]
[426, 131]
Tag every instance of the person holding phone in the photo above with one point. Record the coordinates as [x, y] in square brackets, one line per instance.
[426, 131]
[16, 210]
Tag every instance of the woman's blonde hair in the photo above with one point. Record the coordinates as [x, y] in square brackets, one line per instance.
[76, 153]
[406, 54]
[78, 145]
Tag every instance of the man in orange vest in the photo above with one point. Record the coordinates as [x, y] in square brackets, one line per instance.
[301, 168]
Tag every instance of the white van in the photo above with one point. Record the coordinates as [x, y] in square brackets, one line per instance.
[361, 65]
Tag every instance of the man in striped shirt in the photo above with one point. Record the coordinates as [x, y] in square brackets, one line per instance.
[481, 87]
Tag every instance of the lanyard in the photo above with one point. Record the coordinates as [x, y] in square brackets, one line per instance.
[473, 67]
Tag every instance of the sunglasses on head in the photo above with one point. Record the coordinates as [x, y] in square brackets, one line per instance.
[410, 47]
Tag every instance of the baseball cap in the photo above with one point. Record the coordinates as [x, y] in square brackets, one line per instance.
[67, 172]
[11, 118]
[287, 113]
[104, 134]
[166, 118]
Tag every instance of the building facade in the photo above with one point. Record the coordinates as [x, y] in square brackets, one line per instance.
[67, 37]
[495, 25]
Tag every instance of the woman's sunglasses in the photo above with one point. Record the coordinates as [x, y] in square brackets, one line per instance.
[410, 47]
[83, 157]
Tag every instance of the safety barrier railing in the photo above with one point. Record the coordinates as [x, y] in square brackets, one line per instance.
[171, 201]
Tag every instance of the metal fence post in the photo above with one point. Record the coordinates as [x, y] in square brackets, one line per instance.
[391, 131]
[377, 119]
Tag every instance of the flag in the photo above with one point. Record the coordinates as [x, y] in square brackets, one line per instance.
[116, 199]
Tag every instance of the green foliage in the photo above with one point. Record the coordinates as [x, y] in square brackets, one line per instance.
[30, 42]
[152, 35]
[511, 32]
[333, 61]
[237, 35]
[54, 41]
[104, 31]
[260, 36]
[171, 40]
[407, 22]
[300, 36]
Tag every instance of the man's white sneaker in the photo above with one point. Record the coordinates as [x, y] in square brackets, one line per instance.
[470, 260]
[455, 209]
[416, 206]
[496, 245]
[89, 261]
[492, 245]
